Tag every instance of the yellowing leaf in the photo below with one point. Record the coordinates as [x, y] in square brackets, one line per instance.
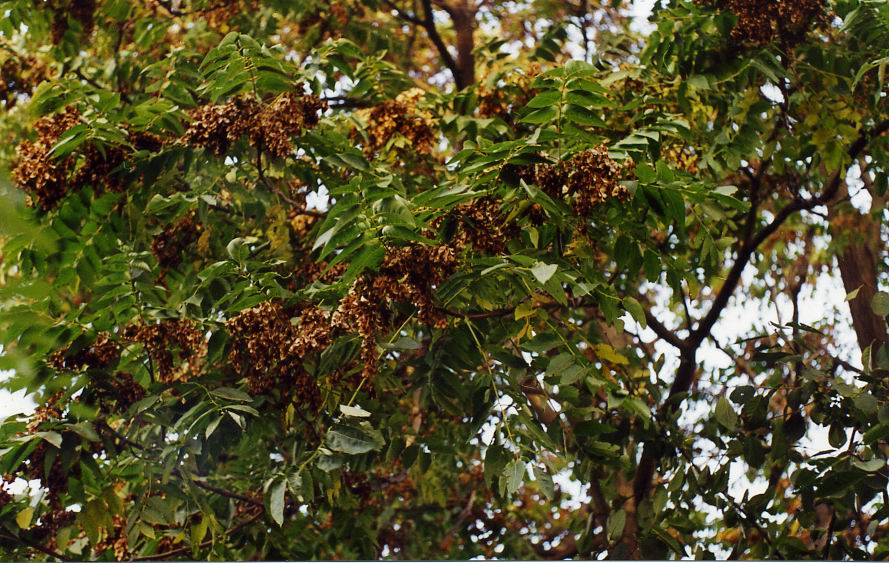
[23, 518]
[607, 353]
[525, 309]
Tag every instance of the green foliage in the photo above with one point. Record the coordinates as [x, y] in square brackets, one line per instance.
[278, 294]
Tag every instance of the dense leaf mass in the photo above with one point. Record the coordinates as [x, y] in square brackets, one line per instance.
[444, 279]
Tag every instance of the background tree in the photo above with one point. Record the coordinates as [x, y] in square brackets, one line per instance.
[436, 279]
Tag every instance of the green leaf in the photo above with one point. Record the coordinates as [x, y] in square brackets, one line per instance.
[354, 440]
[725, 414]
[543, 272]
[545, 481]
[616, 524]
[53, 438]
[276, 502]
[496, 458]
[514, 474]
[645, 173]
[199, 530]
[871, 466]
[214, 424]
[634, 308]
[354, 411]
[880, 303]
[726, 190]
[545, 99]
[231, 394]
[544, 115]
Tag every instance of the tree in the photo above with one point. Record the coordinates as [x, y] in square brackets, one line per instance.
[440, 278]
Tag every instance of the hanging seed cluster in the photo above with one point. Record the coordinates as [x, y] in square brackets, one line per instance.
[407, 275]
[115, 540]
[51, 522]
[220, 14]
[176, 347]
[46, 180]
[787, 22]
[512, 91]
[49, 411]
[169, 245]
[41, 177]
[117, 393]
[399, 117]
[51, 474]
[269, 127]
[588, 179]
[101, 353]
[268, 348]
[480, 224]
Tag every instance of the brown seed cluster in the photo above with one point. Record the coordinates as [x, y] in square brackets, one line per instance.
[116, 394]
[399, 117]
[408, 275]
[270, 341]
[760, 22]
[588, 178]
[41, 177]
[115, 539]
[219, 14]
[176, 347]
[513, 91]
[480, 224]
[49, 411]
[269, 127]
[101, 353]
[268, 348]
[169, 245]
[51, 522]
[46, 180]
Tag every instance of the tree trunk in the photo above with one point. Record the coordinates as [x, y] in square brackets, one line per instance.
[858, 235]
[463, 16]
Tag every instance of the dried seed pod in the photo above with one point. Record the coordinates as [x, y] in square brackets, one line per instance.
[588, 179]
[407, 275]
[81, 11]
[787, 22]
[99, 354]
[177, 347]
[268, 349]
[115, 539]
[43, 178]
[169, 245]
[401, 116]
[479, 224]
[269, 127]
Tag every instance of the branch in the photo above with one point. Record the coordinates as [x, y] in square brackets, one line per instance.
[447, 59]
[194, 479]
[428, 23]
[37, 546]
[404, 15]
[663, 332]
[653, 449]
[206, 543]
[750, 246]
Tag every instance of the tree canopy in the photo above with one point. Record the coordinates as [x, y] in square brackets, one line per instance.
[439, 279]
